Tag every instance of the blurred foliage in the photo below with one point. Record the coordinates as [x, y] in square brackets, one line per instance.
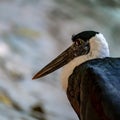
[38, 112]
[26, 32]
[5, 98]
[93, 3]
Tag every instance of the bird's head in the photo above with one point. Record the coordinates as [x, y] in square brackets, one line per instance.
[89, 43]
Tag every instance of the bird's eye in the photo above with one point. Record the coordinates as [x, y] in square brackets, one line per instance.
[79, 42]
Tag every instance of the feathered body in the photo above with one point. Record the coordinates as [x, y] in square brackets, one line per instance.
[94, 89]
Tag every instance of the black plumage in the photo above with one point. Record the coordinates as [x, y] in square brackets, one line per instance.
[94, 89]
[85, 35]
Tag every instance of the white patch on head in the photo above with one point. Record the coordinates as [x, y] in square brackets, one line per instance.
[98, 49]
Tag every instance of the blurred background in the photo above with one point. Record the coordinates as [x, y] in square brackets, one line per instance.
[32, 33]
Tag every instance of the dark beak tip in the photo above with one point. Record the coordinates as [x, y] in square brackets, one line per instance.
[38, 75]
[35, 77]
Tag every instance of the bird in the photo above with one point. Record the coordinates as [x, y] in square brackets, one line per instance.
[90, 77]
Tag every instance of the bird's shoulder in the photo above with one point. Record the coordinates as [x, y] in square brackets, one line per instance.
[97, 81]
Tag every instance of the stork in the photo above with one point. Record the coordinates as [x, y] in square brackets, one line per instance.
[90, 77]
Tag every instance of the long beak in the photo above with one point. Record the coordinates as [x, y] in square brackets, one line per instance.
[65, 57]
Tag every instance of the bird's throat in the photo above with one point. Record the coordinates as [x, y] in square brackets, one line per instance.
[68, 69]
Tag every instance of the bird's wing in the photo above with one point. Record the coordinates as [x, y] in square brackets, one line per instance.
[94, 89]
[73, 92]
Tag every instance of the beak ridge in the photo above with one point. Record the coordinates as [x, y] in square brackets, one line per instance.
[65, 57]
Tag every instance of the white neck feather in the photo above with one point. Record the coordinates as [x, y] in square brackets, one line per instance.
[98, 49]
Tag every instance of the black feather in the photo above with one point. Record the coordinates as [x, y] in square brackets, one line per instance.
[85, 35]
[94, 89]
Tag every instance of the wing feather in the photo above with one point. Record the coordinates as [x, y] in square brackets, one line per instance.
[94, 89]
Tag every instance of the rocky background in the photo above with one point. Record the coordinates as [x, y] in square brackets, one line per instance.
[32, 33]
